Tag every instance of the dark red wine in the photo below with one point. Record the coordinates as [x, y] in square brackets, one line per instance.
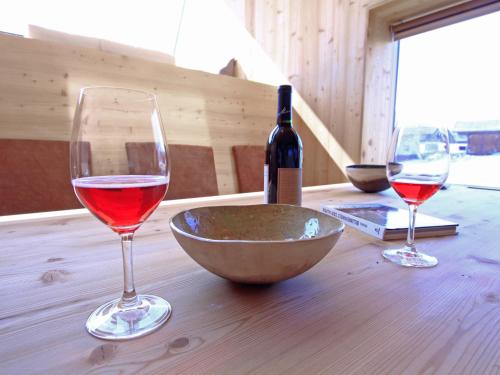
[415, 192]
[283, 165]
[121, 202]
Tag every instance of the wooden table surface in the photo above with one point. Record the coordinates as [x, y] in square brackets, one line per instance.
[353, 313]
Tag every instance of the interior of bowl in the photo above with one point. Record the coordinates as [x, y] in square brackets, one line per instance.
[267, 222]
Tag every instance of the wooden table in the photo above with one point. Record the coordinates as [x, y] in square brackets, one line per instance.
[352, 313]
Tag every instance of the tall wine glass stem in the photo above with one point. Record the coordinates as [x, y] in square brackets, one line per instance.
[131, 315]
[129, 297]
[410, 241]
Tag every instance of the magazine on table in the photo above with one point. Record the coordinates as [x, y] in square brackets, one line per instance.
[386, 222]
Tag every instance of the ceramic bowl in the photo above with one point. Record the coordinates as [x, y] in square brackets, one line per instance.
[258, 244]
[371, 178]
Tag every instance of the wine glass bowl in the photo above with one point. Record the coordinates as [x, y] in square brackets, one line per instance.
[417, 167]
[121, 202]
[108, 119]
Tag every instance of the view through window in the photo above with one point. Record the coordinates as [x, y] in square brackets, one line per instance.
[451, 77]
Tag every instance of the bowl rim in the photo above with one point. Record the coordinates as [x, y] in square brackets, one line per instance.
[366, 166]
[339, 229]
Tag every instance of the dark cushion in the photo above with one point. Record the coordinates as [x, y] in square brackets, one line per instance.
[192, 168]
[35, 176]
[249, 161]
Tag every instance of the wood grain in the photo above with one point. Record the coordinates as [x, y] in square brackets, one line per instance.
[319, 46]
[353, 313]
[39, 84]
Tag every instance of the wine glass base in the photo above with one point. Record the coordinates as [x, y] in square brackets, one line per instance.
[407, 258]
[116, 321]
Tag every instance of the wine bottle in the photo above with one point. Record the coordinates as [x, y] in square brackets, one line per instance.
[283, 165]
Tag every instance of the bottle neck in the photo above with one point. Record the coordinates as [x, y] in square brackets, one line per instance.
[284, 115]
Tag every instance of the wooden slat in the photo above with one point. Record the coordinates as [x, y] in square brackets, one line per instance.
[353, 313]
[380, 89]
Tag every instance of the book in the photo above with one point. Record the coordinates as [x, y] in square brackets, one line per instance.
[386, 222]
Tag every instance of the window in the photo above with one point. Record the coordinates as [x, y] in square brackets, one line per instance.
[451, 76]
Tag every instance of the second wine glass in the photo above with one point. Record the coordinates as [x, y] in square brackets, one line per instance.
[417, 166]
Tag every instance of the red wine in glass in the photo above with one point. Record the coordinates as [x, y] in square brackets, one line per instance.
[121, 202]
[414, 191]
[417, 166]
[120, 193]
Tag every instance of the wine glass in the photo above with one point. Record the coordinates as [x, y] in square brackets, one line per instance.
[106, 121]
[417, 166]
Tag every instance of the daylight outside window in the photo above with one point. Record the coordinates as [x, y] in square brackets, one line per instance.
[450, 77]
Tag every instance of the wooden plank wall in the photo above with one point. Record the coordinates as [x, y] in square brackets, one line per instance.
[39, 84]
[320, 46]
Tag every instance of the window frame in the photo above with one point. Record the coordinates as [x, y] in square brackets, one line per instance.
[382, 54]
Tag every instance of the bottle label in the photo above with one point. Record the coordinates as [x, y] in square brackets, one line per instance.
[266, 183]
[290, 186]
